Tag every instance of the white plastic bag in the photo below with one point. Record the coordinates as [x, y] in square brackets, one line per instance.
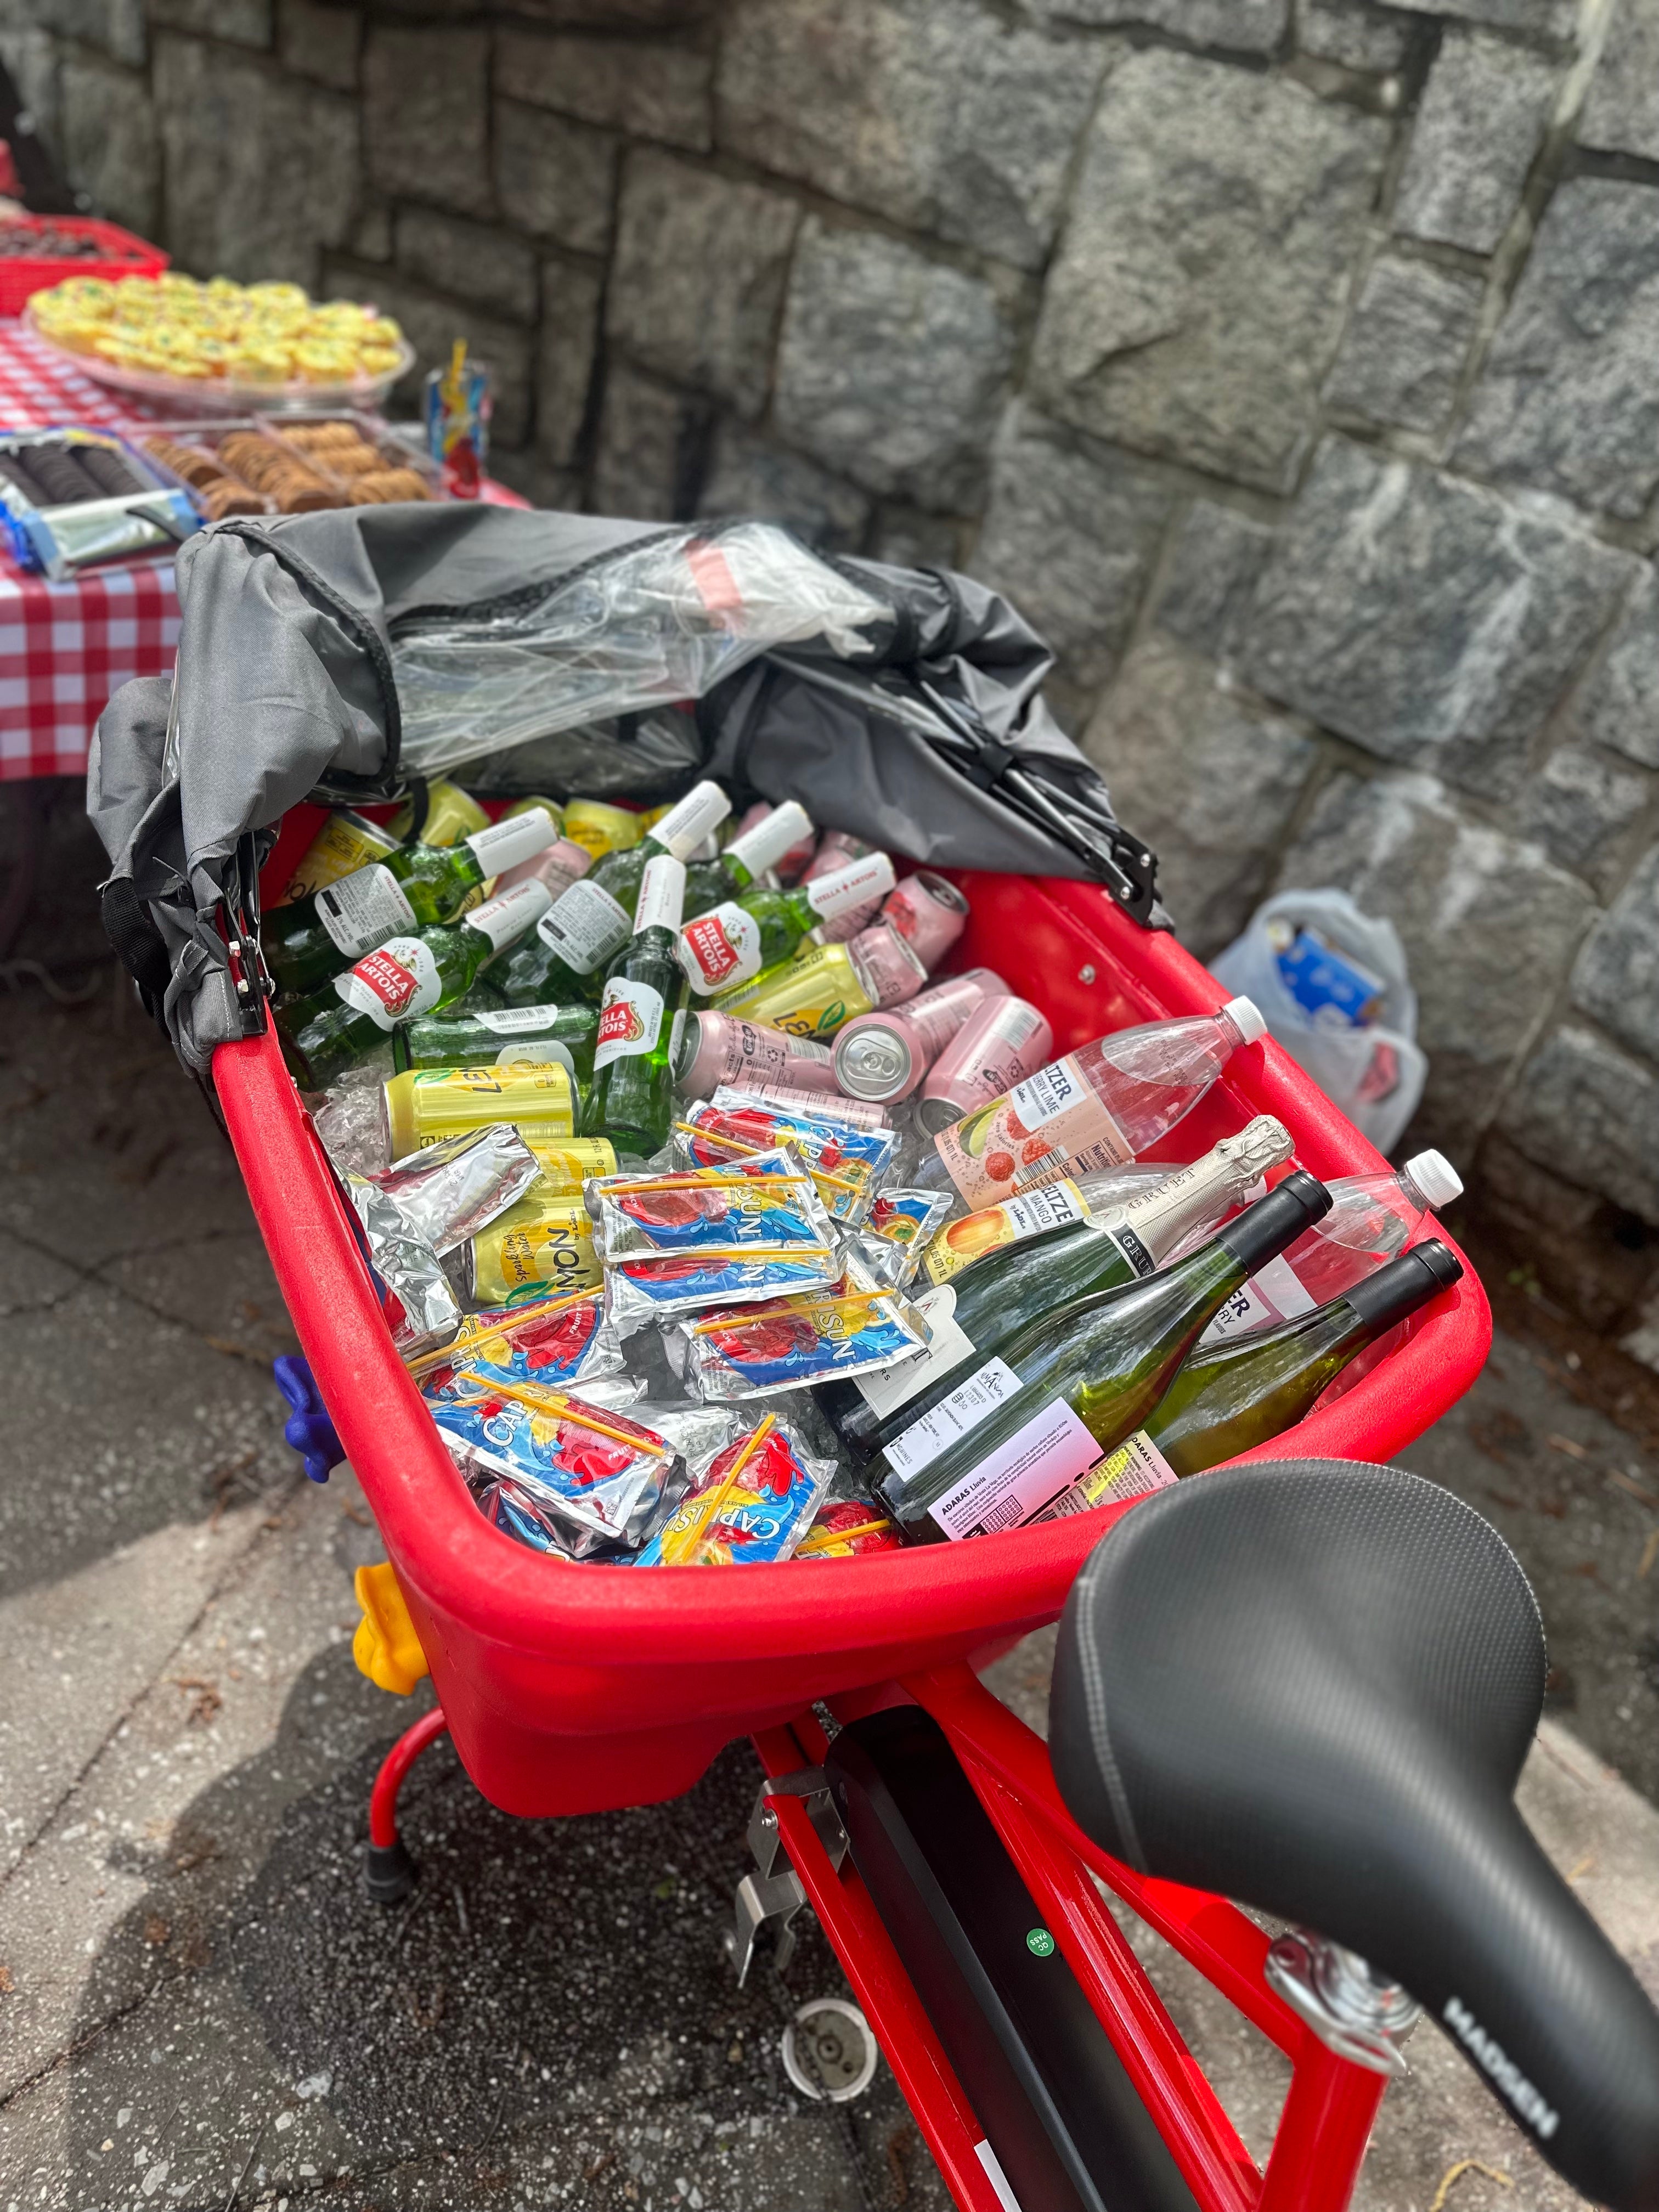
[1374, 1073]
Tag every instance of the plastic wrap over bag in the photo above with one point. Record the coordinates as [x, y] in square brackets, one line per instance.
[1350, 1022]
[663, 621]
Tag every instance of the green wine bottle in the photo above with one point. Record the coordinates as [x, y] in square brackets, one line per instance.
[722, 950]
[632, 1101]
[1022, 1431]
[1065, 1254]
[501, 1036]
[1249, 1389]
[313, 939]
[324, 1035]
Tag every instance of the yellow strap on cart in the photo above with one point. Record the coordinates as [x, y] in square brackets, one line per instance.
[385, 1647]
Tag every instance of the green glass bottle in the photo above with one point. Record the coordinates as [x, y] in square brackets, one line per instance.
[1249, 1389]
[501, 1036]
[313, 939]
[1025, 1427]
[1063, 1255]
[723, 950]
[632, 1101]
[578, 941]
[326, 1034]
[746, 859]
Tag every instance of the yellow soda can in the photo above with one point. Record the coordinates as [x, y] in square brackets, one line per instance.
[529, 806]
[538, 1248]
[424, 1104]
[566, 1165]
[598, 829]
[451, 815]
[346, 842]
[808, 998]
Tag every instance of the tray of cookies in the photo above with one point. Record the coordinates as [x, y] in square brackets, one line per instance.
[70, 497]
[312, 462]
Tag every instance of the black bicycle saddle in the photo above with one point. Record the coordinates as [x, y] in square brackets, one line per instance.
[1310, 1685]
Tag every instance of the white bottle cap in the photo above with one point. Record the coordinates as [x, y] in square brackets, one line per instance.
[1246, 1017]
[685, 826]
[1436, 1177]
[779, 832]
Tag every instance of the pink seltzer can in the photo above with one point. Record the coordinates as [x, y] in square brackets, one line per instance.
[884, 1055]
[1001, 1043]
[558, 865]
[714, 1048]
[929, 913]
[886, 964]
[858, 1111]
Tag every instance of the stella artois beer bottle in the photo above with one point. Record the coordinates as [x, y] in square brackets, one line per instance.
[632, 1101]
[406, 977]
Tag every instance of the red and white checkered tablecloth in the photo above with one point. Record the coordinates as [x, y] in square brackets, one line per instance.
[64, 648]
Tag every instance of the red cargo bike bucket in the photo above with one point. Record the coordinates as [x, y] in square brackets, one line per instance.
[571, 1688]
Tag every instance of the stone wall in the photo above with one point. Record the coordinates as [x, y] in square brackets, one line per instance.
[1296, 366]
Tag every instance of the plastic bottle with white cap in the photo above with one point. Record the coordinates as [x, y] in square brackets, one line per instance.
[1372, 1219]
[1104, 1103]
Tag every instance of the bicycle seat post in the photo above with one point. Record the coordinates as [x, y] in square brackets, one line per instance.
[1358, 2013]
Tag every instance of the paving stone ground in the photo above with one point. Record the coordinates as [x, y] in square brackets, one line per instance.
[200, 2009]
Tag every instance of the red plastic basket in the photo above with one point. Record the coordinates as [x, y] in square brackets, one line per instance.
[574, 1689]
[120, 254]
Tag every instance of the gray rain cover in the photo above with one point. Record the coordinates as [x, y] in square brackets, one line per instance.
[341, 655]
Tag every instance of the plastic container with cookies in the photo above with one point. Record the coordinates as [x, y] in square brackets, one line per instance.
[309, 463]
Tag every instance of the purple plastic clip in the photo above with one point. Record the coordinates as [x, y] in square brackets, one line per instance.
[308, 1427]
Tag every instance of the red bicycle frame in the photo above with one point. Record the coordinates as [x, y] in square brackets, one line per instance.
[1328, 2115]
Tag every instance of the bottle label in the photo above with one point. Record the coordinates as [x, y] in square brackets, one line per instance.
[363, 909]
[1274, 1293]
[721, 948]
[1051, 1125]
[965, 1407]
[845, 890]
[504, 844]
[1135, 1469]
[542, 1052]
[511, 913]
[959, 1243]
[586, 927]
[528, 1045]
[662, 895]
[630, 1022]
[1037, 1466]
[516, 1021]
[1134, 1250]
[948, 1345]
[393, 984]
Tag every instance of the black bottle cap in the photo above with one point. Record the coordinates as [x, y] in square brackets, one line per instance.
[1263, 1230]
[1405, 1284]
